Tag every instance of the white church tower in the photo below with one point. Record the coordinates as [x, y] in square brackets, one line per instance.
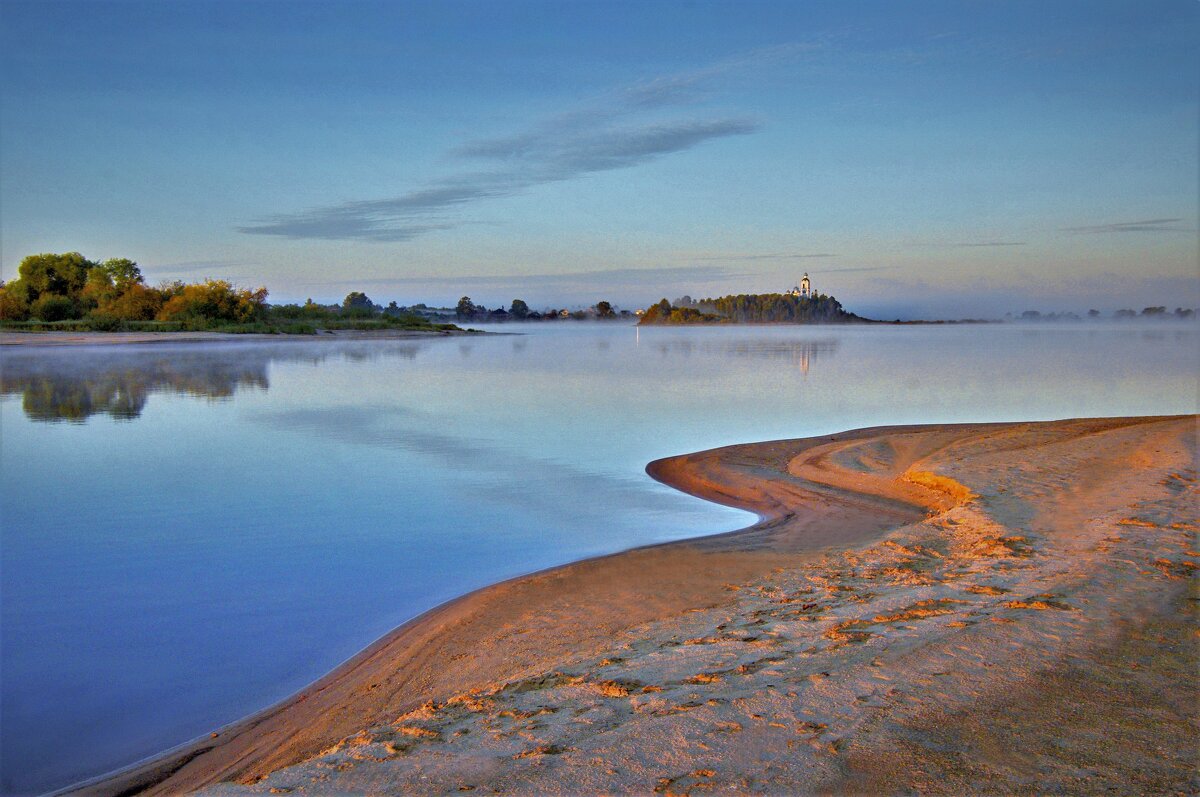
[803, 290]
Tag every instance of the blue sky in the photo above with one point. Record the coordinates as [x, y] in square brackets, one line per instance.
[918, 159]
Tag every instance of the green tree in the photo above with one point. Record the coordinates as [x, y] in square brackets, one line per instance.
[657, 313]
[604, 310]
[214, 300]
[358, 304]
[135, 303]
[52, 274]
[171, 288]
[122, 272]
[99, 287]
[51, 307]
[466, 308]
[519, 309]
[108, 281]
[12, 307]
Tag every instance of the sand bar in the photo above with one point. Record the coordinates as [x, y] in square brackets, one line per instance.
[946, 609]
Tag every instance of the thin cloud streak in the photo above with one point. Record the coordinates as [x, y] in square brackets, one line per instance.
[1147, 225]
[767, 256]
[856, 269]
[964, 244]
[649, 95]
[628, 277]
[190, 266]
[608, 134]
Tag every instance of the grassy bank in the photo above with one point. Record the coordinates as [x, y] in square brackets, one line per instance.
[262, 327]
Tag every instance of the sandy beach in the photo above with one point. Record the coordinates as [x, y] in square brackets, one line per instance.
[992, 608]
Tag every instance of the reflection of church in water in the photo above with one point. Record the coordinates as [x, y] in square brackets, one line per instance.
[804, 353]
[803, 290]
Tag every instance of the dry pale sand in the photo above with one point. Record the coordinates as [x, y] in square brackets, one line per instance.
[1002, 608]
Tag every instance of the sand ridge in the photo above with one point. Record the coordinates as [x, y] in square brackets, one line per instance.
[940, 608]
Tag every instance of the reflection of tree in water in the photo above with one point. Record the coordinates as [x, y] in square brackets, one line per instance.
[48, 398]
[800, 353]
[59, 385]
[75, 387]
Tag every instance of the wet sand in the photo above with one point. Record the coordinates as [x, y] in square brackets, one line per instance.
[966, 608]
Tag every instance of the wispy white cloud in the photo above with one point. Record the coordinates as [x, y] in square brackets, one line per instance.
[532, 161]
[619, 130]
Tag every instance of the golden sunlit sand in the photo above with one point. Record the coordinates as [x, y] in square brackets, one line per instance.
[947, 609]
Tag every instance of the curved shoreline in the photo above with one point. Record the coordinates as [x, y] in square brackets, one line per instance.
[152, 772]
[830, 493]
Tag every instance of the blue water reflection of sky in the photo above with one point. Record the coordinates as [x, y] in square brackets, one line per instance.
[191, 533]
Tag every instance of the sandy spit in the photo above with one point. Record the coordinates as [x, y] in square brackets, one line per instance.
[999, 608]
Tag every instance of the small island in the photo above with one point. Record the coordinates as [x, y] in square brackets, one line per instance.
[801, 305]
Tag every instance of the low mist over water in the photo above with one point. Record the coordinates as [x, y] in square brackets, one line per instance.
[192, 532]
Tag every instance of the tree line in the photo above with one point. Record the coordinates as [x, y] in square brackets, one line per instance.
[763, 308]
[467, 310]
[61, 287]
[1159, 312]
[70, 291]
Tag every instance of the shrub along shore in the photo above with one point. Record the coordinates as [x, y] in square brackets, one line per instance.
[69, 293]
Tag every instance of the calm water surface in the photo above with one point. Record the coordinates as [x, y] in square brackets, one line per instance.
[191, 532]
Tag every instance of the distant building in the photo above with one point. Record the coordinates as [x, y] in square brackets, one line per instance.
[803, 290]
